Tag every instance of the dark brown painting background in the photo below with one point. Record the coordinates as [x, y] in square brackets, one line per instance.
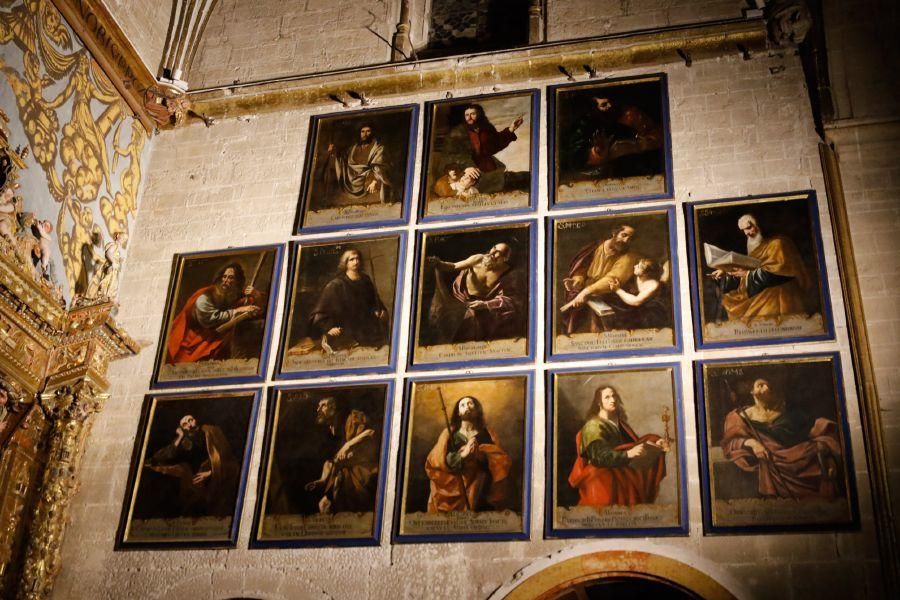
[299, 454]
[157, 494]
[318, 264]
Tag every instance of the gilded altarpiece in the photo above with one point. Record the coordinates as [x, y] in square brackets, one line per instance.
[70, 153]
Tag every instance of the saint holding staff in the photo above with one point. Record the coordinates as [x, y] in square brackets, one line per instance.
[467, 467]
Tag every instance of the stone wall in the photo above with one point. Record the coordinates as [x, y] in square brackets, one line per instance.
[252, 41]
[866, 134]
[583, 18]
[145, 24]
[738, 127]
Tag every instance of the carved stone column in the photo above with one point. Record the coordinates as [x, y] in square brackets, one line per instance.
[70, 409]
[401, 44]
[536, 22]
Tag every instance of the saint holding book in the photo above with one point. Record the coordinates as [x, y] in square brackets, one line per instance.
[770, 281]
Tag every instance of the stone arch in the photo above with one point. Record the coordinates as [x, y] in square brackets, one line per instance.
[572, 571]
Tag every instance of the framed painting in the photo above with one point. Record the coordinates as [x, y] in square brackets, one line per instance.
[613, 283]
[609, 141]
[615, 452]
[774, 445]
[758, 271]
[481, 156]
[358, 169]
[340, 315]
[218, 317]
[324, 463]
[465, 459]
[188, 470]
[473, 290]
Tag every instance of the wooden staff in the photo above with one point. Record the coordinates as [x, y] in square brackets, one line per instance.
[462, 482]
[243, 316]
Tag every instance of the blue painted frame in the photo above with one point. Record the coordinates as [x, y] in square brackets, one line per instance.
[674, 269]
[552, 140]
[551, 532]
[262, 368]
[138, 451]
[300, 228]
[524, 535]
[695, 272]
[703, 444]
[395, 327]
[430, 108]
[375, 539]
[414, 324]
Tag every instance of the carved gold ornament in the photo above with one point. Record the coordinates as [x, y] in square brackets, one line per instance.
[80, 131]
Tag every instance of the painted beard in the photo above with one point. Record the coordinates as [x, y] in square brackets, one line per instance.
[191, 438]
[618, 246]
[224, 297]
[767, 399]
[754, 242]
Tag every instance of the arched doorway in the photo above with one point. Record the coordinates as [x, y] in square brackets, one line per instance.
[621, 575]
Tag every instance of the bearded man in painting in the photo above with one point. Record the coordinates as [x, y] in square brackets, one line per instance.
[204, 327]
[776, 288]
[467, 467]
[795, 456]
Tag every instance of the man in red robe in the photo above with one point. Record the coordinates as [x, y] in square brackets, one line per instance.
[614, 466]
[467, 467]
[794, 455]
[473, 144]
[204, 326]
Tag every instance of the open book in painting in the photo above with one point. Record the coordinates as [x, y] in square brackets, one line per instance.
[716, 258]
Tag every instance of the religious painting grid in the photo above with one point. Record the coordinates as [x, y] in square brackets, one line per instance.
[465, 220]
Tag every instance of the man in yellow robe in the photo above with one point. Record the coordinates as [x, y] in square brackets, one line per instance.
[776, 288]
[591, 275]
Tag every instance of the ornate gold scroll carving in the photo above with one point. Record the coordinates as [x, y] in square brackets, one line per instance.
[80, 131]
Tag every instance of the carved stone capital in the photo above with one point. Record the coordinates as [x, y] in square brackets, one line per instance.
[787, 21]
[170, 107]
